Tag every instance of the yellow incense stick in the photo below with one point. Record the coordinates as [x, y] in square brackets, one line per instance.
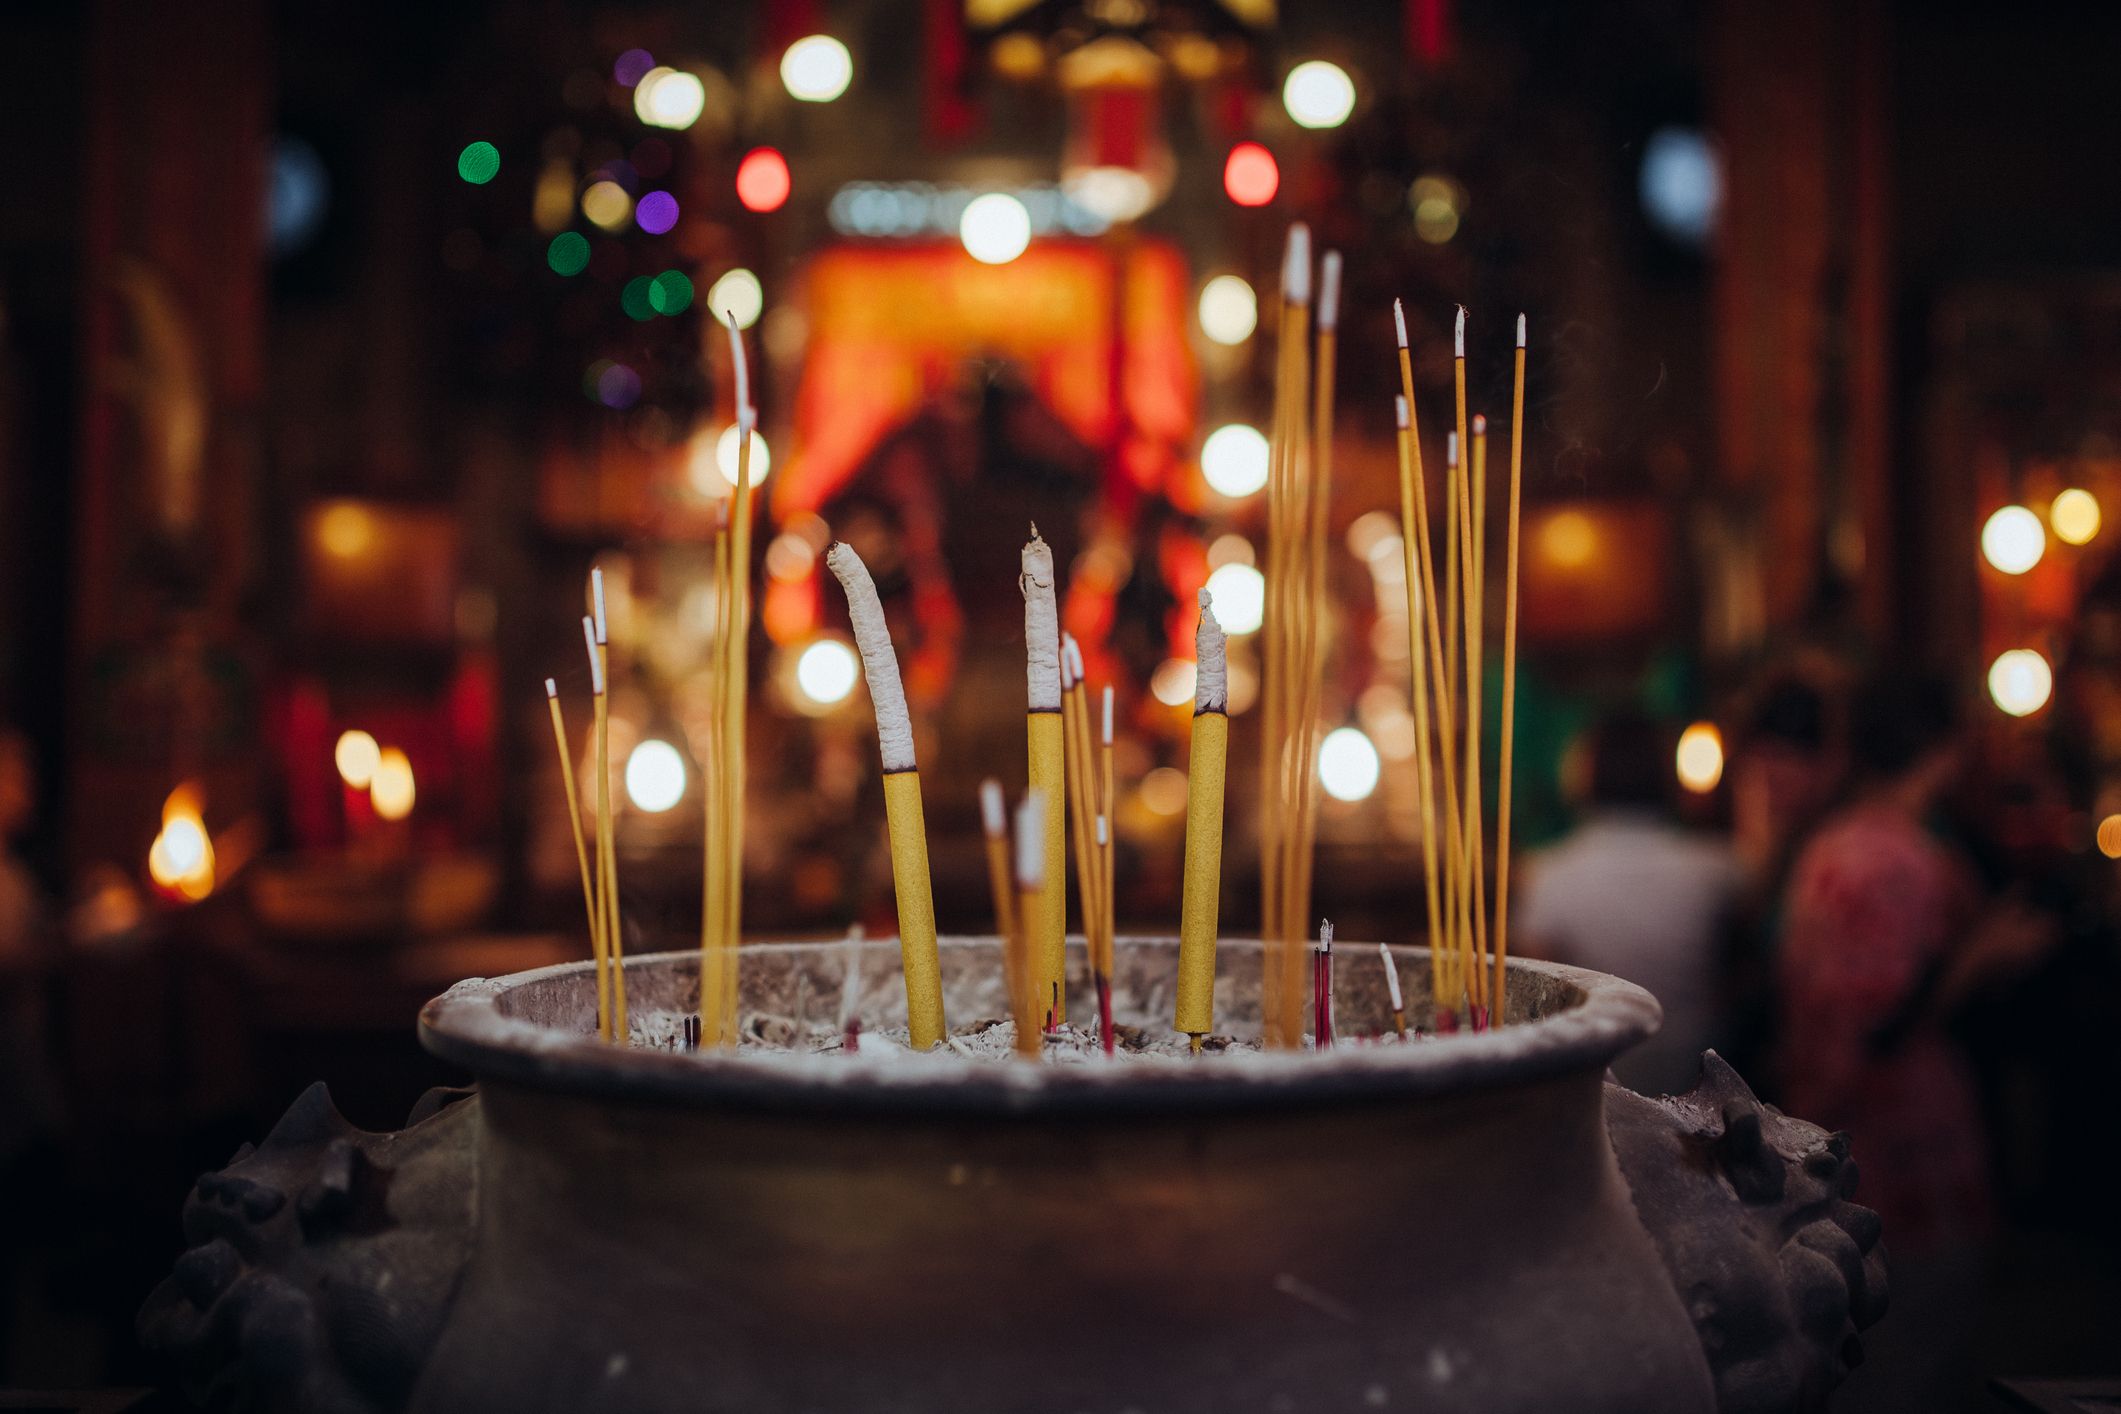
[1476, 683]
[902, 799]
[1287, 582]
[1047, 922]
[1498, 992]
[1027, 992]
[1105, 841]
[1205, 778]
[1075, 734]
[614, 936]
[600, 806]
[994, 821]
[1311, 668]
[1424, 780]
[581, 858]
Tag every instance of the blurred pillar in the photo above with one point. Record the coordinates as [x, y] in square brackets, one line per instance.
[1802, 302]
[171, 308]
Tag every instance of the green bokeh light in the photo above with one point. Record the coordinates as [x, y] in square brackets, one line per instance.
[636, 299]
[568, 254]
[670, 293]
[479, 163]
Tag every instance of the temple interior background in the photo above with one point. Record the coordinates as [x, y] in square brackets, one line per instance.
[339, 341]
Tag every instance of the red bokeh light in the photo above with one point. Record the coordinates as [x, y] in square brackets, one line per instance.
[1250, 175]
[762, 180]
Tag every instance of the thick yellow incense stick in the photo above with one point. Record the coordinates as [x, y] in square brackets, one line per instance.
[994, 820]
[1498, 992]
[902, 799]
[1424, 779]
[1281, 754]
[1046, 924]
[581, 858]
[1027, 991]
[1476, 682]
[1205, 779]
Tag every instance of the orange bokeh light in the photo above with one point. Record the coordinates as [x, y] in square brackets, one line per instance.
[762, 180]
[1250, 175]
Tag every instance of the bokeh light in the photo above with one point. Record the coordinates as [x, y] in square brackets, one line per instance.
[655, 776]
[825, 673]
[568, 254]
[391, 790]
[346, 529]
[996, 228]
[1682, 184]
[669, 98]
[816, 69]
[1233, 460]
[479, 163]
[670, 292]
[1229, 311]
[1173, 681]
[736, 295]
[356, 755]
[633, 298]
[2020, 681]
[656, 213]
[1700, 757]
[725, 450]
[762, 180]
[607, 205]
[1318, 94]
[1438, 203]
[2075, 516]
[1163, 790]
[2108, 837]
[1348, 765]
[1250, 175]
[631, 67]
[297, 195]
[1240, 593]
[618, 387]
[2013, 540]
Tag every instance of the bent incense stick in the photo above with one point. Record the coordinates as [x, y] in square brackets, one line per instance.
[908, 829]
[581, 857]
[1206, 772]
[1046, 921]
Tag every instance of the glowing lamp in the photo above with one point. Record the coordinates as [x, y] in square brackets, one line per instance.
[762, 180]
[1700, 757]
[1250, 175]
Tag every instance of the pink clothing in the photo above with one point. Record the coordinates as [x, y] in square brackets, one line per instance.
[1875, 904]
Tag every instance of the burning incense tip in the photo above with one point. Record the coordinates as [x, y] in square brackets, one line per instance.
[1458, 344]
[1031, 840]
[1211, 672]
[1384, 951]
[894, 725]
[596, 661]
[1329, 290]
[747, 416]
[552, 689]
[1296, 266]
[1399, 322]
[1480, 425]
[1106, 739]
[1450, 448]
[596, 599]
[1399, 411]
[994, 816]
[1520, 331]
[1041, 625]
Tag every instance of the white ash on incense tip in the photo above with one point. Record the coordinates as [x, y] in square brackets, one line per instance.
[1211, 671]
[872, 638]
[1041, 626]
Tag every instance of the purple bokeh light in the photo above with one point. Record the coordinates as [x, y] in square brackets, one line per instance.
[618, 386]
[656, 212]
[631, 65]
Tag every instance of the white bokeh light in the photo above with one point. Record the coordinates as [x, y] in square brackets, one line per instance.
[725, 450]
[1700, 757]
[2074, 516]
[816, 69]
[669, 98]
[2013, 540]
[825, 673]
[1348, 766]
[1318, 94]
[1229, 310]
[1233, 460]
[737, 295]
[2020, 681]
[1240, 594]
[655, 776]
[996, 228]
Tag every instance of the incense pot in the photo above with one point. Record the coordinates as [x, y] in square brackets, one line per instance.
[1471, 1223]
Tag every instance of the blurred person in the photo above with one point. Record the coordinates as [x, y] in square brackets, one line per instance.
[1886, 936]
[1631, 892]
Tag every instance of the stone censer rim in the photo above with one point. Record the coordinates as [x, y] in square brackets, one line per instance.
[469, 1026]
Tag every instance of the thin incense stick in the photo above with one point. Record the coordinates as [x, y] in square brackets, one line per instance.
[1287, 581]
[1399, 1003]
[1417, 601]
[1322, 989]
[850, 1018]
[1047, 922]
[1476, 693]
[1498, 993]
[1028, 990]
[903, 817]
[1077, 766]
[1311, 667]
[600, 805]
[614, 933]
[994, 821]
[1206, 771]
[1105, 840]
[581, 858]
